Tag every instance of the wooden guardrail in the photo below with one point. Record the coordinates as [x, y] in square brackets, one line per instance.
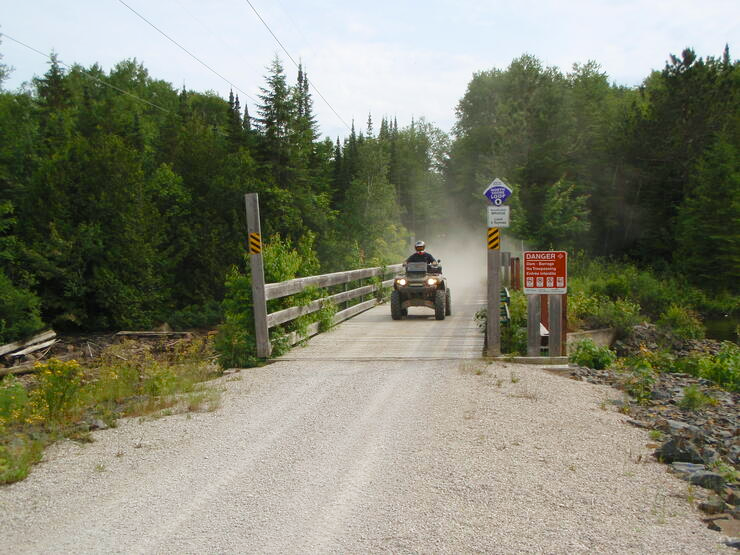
[293, 286]
[262, 292]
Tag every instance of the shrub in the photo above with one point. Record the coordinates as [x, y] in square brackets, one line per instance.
[682, 322]
[694, 399]
[637, 377]
[58, 388]
[587, 353]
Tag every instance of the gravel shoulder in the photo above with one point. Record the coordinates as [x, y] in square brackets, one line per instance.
[331, 456]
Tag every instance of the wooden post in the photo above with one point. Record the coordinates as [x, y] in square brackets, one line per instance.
[506, 263]
[493, 329]
[533, 325]
[555, 341]
[261, 333]
[564, 341]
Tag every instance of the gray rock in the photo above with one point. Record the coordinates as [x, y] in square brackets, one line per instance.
[713, 506]
[685, 469]
[678, 449]
[709, 480]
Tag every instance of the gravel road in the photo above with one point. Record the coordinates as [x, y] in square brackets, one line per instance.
[330, 456]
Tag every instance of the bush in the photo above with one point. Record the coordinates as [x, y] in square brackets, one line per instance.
[58, 388]
[19, 311]
[587, 353]
[694, 399]
[681, 322]
[636, 377]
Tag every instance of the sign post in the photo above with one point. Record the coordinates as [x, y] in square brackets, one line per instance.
[497, 193]
[261, 333]
[545, 280]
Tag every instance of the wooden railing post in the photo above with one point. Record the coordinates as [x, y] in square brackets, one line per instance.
[555, 340]
[533, 326]
[261, 333]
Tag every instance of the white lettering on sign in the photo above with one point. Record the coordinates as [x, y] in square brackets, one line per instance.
[539, 256]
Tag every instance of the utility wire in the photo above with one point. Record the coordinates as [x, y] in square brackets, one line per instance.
[173, 41]
[86, 74]
[294, 63]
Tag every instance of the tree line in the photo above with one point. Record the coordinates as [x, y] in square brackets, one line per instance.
[126, 210]
[651, 173]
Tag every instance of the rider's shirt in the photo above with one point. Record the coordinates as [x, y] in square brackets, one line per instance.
[421, 257]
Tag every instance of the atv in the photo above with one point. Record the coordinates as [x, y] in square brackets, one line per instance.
[421, 285]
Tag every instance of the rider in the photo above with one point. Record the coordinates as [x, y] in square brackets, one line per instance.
[421, 255]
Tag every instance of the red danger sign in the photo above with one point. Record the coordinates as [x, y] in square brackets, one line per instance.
[545, 272]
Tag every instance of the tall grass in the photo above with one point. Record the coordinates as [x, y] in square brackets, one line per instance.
[128, 380]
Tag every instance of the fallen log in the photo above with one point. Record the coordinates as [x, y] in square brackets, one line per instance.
[33, 348]
[10, 347]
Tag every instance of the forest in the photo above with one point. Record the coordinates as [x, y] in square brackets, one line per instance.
[123, 210]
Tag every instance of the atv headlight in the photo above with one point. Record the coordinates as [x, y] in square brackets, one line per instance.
[432, 281]
[401, 281]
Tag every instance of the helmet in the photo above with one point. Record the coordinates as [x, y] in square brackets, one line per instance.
[419, 246]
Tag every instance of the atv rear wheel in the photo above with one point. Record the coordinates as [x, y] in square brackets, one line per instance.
[439, 305]
[396, 311]
[448, 303]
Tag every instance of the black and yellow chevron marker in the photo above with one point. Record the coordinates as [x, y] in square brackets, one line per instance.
[494, 239]
[255, 243]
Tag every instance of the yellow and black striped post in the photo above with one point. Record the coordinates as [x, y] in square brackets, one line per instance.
[494, 239]
[259, 298]
[255, 243]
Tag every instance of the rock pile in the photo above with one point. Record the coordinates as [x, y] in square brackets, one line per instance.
[700, 445]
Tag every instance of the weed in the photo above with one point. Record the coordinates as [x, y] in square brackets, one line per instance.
[100, 467]
[58, 388]
[637, 377]
[656, 435]
[729, 473]
[207, 400]
[694, 399]
[514, 377]
[17, 455]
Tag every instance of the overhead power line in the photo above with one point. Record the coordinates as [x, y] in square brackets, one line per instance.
[88, 75]
[181, 47]
[294, 63]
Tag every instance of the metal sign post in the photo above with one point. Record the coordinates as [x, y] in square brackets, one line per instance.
[261, 333]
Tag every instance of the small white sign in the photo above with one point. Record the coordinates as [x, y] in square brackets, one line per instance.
[498, 216]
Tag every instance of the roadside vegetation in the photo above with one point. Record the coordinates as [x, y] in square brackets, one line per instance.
[64, 399]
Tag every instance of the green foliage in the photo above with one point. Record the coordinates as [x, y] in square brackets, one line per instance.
[681, 322]
[587, 353]
[637, 377]
[694, 399]
[13, 401]
[19, 311]
[57, 392]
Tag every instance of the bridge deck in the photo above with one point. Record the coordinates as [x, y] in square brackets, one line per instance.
[374, 335]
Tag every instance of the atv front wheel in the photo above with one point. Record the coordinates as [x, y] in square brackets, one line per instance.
[448, 303]
[439, 305]
[396, 311]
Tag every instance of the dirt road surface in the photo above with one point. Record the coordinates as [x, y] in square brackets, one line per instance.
[380, 436]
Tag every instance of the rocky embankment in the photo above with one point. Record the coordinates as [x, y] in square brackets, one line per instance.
[701, 445]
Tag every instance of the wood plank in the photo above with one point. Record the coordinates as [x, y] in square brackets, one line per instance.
[10, 347]
[293, 286]
[313, 329]
[282, 316]
[152, 333]
[33, 348]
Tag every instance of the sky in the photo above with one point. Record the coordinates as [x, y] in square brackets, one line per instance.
[395, 58]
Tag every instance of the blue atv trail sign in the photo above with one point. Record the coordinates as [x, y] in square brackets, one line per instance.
[497, 192]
